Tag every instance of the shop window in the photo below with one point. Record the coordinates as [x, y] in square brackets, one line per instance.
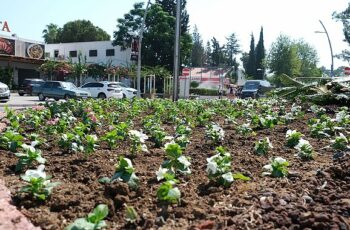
[73, 53]
[92, 53]
[109, 52]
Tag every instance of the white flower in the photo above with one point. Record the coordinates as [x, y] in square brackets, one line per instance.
[212, 167]
[37, 173]
[28, 147]
[280, 160]
[142, 137]
[161, 172]
[183, 160]
[301, 143]
[94, 137]
[227, 177]
[169, 143]
[268, 141]
[144, 148]
[129, 162]
[290, 132]
[174, 193]
[268, 167]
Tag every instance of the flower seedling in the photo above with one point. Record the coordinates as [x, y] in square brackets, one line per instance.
[293, 138]
[176, 162]
[219, 168]
[137, 141]
[167, 192]
[11, 140]
[39, 184]
[125, 172]
[30, 154]
[91, 143]
[277, 168]
[305, 150]
[70, 141]
[340, 143]
[131, 215]
[93, 221]
[215, 133]
[263, 146]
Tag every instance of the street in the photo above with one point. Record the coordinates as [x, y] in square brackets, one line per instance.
[18, 102]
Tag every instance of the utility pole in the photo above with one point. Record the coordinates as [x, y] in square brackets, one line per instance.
[139, 50]
[330, 46]
[177, 50]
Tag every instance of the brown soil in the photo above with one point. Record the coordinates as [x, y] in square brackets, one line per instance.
[315, 195]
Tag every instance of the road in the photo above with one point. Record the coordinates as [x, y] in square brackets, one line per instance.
[18, 102]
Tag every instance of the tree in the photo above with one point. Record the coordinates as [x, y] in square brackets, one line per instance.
[51, 33]
[232, 48]
[74, 31]
[197, 56]
[158, 36]
[344, 17]
[217, 55]
[251, 70]
[260, 57]
[207, 55]
[293, 58]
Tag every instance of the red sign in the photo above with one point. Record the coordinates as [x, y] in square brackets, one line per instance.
[186, 71]
[347, 70]
[4, 26]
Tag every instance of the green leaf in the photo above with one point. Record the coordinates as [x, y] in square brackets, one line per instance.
[240, 176]
[99, 213]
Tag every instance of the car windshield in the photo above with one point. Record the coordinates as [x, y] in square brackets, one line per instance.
[251, 85]
[114, 85]
[68, 85]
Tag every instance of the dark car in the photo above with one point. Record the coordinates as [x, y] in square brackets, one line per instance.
[59, 90]
[255, 88]
[27, 86]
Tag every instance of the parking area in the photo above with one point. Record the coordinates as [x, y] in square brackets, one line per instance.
[18, 102]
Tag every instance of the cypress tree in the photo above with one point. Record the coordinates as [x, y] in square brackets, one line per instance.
[251, 70]
[260, 57]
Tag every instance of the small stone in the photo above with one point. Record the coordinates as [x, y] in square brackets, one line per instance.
[199, 213]
[282, 202]
[319, 217]
[208, 224]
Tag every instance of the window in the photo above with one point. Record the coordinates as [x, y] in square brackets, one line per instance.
[55, 84]
[55, 53]
[97, 85]
[73, 53]
[88, 85]
[92, 53]
[109, 52]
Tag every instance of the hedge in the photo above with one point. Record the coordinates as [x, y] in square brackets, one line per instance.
[204, 92]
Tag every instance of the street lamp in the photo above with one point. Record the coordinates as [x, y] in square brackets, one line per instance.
[177, 50]
[139, 50]
[330, 46]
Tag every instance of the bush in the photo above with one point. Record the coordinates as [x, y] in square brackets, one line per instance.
[204, 92]
[194, 84]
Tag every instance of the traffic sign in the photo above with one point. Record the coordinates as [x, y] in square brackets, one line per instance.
[186, 71]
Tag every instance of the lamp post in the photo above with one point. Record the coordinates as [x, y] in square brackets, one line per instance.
[177, 50]
[139, 50]
[330, 46]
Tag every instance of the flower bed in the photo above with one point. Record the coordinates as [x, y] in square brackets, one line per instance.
[191, 165]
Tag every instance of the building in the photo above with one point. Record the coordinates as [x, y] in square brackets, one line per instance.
[20, 58]
[97, 52]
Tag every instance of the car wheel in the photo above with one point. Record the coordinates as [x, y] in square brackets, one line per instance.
[21, 94]
[124, 96]
[41, 97]
[67, 97]
[101, 95]
[56, 99]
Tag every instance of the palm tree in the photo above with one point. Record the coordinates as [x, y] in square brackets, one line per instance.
[51, 33]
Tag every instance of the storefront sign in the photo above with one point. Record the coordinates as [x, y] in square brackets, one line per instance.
[35, 50]
[7, 46]
[4, 26]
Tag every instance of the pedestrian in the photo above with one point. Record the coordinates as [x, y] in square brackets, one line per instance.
[220, 91]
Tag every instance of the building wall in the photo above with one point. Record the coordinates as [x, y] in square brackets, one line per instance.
[120, 58]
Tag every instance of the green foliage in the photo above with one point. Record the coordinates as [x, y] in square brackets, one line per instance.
[39, 185]
[131, 215]
[204, 92]
[305, 150]
[263, 146]
[167, 192]
[194, 84]
[219, 167]
[340, 143]
[11, 140]
[277, 168]
[26, 159]
[93, 221]
[74, 31]
[293, 138]
[125, 172]
[91, 143]
[214, 133]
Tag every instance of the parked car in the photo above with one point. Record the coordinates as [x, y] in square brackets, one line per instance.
[4, 92]
[103, 89]
[27, 86]
[59, 90]
[126, 90]
[255, 88]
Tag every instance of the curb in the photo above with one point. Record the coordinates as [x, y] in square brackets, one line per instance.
[18, 105]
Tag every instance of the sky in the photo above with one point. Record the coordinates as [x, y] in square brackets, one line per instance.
[299, 19]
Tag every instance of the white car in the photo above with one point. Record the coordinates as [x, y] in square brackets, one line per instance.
[127, 91]
[4, 92]
[103, 89]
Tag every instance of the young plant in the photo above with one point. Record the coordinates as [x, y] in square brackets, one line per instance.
[305, 150]
[176, 162]
[28, 157]
[293, 138]
[167, 192]
[340, 143]
[215, 133]
[39, 185]
[91, 143]
[11, 140]
[277, 168]
[244, 129]
[219, 168]
[71, 142]
[93, 221]
[263, 146]
[131, 215]
[137, 141]
[111, 138]
[125, 172]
